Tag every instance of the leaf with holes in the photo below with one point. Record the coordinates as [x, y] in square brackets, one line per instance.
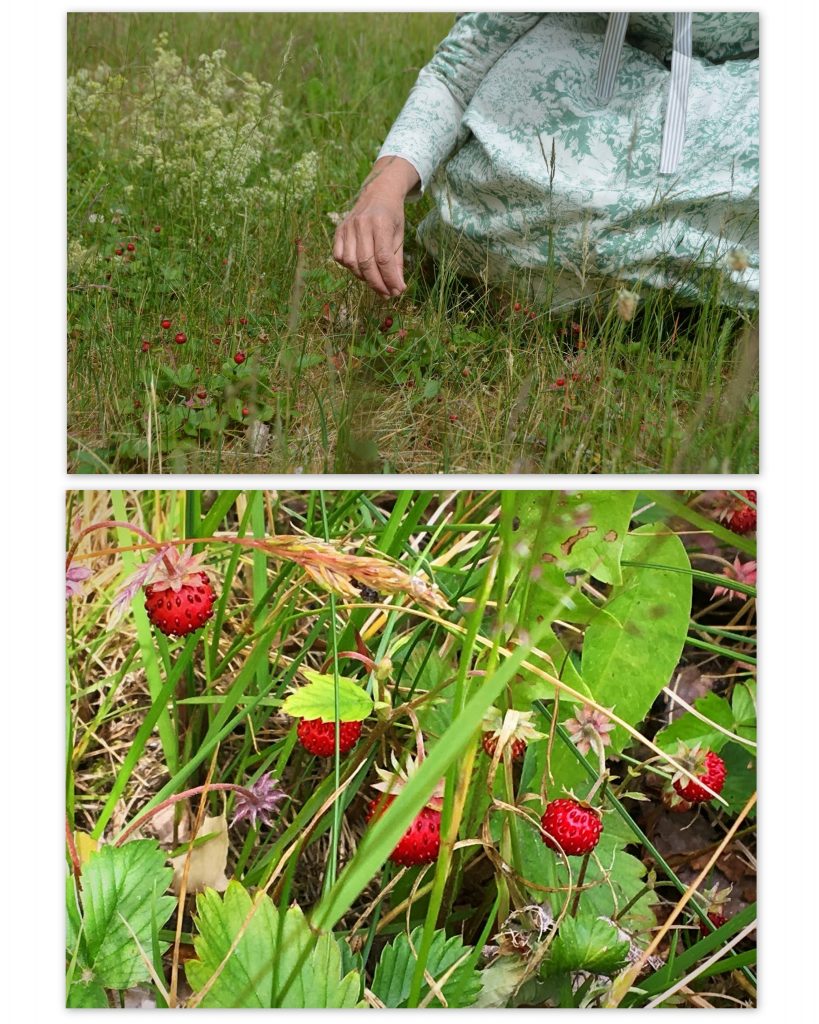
[277, 962]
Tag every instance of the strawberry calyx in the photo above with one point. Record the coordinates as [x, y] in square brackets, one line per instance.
[513, 730]
[392, 782]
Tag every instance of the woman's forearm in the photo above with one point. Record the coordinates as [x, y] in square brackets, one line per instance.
[391, 176]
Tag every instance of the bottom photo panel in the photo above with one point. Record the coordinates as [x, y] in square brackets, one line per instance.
[387, 749]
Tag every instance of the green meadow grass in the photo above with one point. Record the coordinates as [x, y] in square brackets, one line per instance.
[468, 385]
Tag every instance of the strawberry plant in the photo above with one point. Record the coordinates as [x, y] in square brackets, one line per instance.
[410, 749]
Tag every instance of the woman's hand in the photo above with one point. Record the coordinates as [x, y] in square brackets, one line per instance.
[369, 241]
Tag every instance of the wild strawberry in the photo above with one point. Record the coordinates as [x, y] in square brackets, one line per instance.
[131, 247]
[517, 307]
[490, 743]
[386, 324]
[389, 350]
[519, 731]
[157, 228]
[672, 801]
[146, 346]
[118, 251]
[245, 410]
[179, 600]
[453, 418]
[737, 513]
[216, 341]
[239, 358]
[717, 920]
[243, 321]
[707, 767]
[166, 323]
[180, 338]
[560, 382]
[422, 840]
[571, 826]
[319, 737]
[202, 394]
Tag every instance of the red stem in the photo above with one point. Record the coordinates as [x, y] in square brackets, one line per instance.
[107, 525]
[72, 849]
[224, 787]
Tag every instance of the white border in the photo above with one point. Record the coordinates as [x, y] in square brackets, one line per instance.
[33, 411]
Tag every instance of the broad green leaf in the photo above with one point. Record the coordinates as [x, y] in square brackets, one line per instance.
[123, 884]
[264, 971]
[86, 995]
[317, 699]
[499, 981]
[743, 706]
[577, 530]
[585, 943]
[691, 730]
[740, 776]
[393, 974]
[626, 663]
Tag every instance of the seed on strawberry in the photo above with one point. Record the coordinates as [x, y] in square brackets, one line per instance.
[709, 768]
[180, 338]
[570, 826]
[239, 358]
[131, 247]
[181, 611]
[319, 737]
[146, 346]
[490, 743]
[422, 840]
[717, 920]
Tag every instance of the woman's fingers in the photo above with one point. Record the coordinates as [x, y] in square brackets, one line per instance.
[372, 254]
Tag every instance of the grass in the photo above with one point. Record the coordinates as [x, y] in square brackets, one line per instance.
[162, 731]
[461, 381]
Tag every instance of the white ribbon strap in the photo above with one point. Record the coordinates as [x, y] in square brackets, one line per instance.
[677, 107]
[677, 104]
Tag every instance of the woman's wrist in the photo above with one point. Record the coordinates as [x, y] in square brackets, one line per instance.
[392, 177]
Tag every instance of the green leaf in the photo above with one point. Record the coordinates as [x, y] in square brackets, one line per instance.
[86, 995]
[499, 981]
[583, 530]
[586, 943]
[740, 776]
[393, 974]
[691, 730]
[123, 884]
[317, 699]
[627, 662]
[271, 966]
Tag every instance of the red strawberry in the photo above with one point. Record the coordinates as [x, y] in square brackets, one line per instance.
[146, 346]
[742, 519]
[319, 737]
[180, 338]
[177, 612]
[560, 382]
[216, 341]
[386, 324]
[166, 323]
[243, 320]
[202, 394]
[717, 920]
[709, 768]
[422, 840]
[517, 307]
[572, 827]
[131, 247]
[239, 358]
[118, 251]
[490, 742]
[157, 228]
[245, 410]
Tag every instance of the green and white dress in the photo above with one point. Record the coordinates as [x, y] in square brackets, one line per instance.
[592, 149]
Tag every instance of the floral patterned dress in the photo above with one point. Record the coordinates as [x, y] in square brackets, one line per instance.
[537, 169]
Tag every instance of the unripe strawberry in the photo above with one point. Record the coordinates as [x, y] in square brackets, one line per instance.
[490, 743]
[571, 826]
[709, 768]
[422, 840]
[181, 610]
[319, 737]
[180, 338]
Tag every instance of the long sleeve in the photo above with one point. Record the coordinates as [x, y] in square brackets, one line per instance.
[427, 130]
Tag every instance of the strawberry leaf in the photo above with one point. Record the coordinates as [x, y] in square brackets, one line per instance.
[317, 699]
[270, 966]
[586, 943]
[396, 965]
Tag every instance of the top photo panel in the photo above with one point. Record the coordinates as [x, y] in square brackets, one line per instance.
[413, 243]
